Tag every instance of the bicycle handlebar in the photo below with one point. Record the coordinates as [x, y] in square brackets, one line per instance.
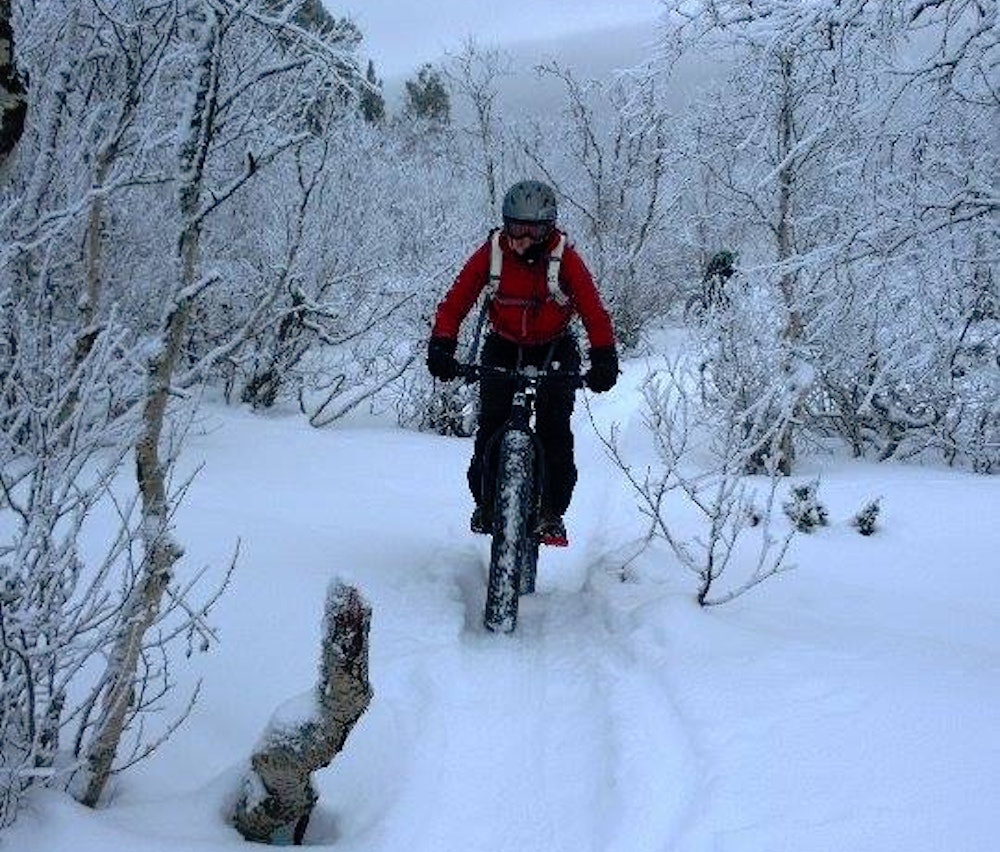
[473, 372]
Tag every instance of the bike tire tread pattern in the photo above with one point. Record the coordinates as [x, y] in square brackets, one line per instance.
[512, 537]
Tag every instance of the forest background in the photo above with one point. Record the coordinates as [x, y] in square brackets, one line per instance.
[213, 200]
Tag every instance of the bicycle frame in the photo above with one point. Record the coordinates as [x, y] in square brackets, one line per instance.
[518, 483]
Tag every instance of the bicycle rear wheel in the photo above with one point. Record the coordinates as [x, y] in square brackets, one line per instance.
[513, 545]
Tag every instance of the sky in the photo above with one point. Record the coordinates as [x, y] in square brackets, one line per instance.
[399, 37]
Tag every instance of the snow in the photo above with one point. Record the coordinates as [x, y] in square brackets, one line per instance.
[849, 704]
[301, 710]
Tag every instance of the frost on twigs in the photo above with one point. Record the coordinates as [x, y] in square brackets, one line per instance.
[305, 734]
[704, 478]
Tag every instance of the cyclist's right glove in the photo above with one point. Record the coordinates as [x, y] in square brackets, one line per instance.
[441, 361]
[603, 372]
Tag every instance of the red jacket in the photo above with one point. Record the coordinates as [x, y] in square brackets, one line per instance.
[523, 310]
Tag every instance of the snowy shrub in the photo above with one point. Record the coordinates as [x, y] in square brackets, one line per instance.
[72, 564]
[725, 501]
[804, 509]
[865, 520]
[743, 377]
[867, 206]
[451, 410]
[902, 384]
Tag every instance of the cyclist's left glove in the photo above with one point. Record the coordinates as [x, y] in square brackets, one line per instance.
[441, 361]
[603, 372]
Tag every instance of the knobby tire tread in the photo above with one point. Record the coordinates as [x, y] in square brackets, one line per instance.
[513, 543]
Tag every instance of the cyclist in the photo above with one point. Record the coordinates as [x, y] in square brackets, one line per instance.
[719, 270]
[542, 284]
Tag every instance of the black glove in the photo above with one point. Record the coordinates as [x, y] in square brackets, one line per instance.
[603, 372]
[441, 361]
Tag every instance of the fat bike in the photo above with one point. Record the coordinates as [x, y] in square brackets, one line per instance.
[519, 462]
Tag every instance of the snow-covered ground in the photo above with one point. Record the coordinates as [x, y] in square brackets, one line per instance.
[849, 705]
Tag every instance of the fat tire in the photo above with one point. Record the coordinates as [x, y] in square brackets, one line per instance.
[529, 566]
[513, 539]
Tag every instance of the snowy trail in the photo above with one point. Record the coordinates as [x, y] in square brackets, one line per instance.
[553, 738]
[550, 739]
[550, 736]
[558, 737]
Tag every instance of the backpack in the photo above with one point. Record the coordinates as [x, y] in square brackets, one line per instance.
[552, 274]
[496, 263]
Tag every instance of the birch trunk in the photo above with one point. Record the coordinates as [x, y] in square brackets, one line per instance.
[161, 551]
[793, 318]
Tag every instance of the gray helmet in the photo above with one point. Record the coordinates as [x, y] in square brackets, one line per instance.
[530, 201]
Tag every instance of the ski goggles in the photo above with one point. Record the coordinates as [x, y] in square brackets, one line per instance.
[517, 230]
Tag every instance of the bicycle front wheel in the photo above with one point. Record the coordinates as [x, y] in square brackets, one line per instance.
[512, 547]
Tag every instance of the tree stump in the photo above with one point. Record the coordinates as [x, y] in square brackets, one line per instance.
[305, 734]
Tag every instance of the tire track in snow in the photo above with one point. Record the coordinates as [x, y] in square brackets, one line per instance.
[668, 799]
[657, 767]
[554, 738]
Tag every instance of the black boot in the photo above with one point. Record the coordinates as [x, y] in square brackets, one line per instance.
[481, 521]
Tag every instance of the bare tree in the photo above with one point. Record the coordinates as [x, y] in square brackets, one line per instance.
[211, 108]
[475, 74]
[90, 372]
[734, 515]
[607, 157]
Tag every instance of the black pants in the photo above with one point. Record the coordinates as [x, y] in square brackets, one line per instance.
[553, 407]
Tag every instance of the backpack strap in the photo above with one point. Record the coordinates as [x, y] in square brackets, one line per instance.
[555, 262]
[489, 291]
[552, 271]
[496, 262]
